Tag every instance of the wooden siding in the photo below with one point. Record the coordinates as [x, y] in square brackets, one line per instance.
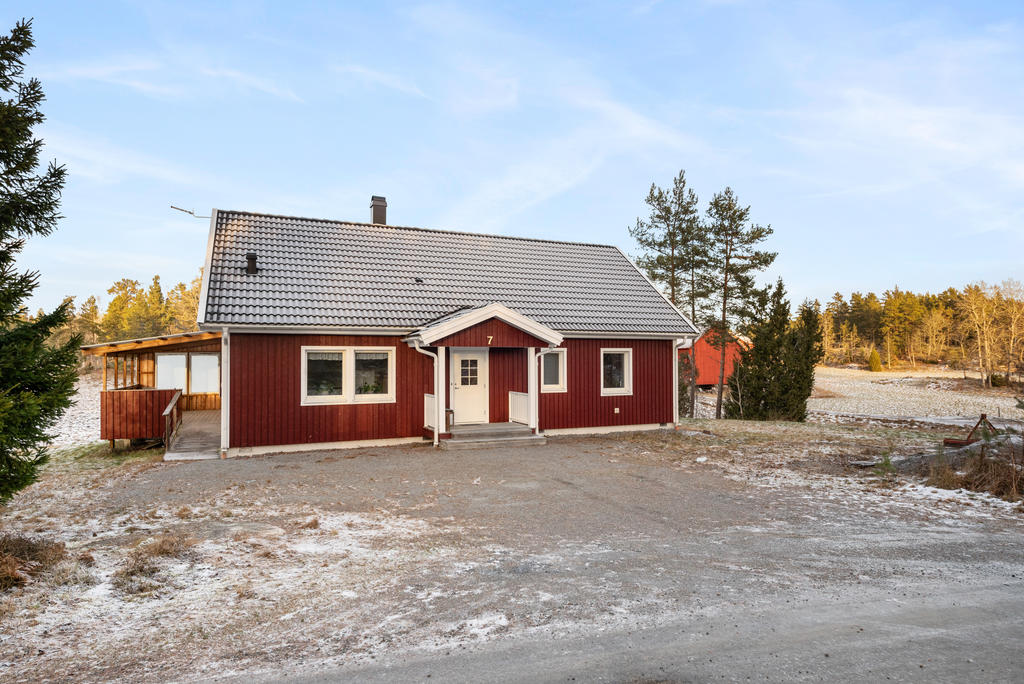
[200, 402]
[501, 334]
[265, 390]
[709, 360]
[133, 414]
[582, 404]
[508, 373]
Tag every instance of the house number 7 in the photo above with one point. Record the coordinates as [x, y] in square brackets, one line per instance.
[489, 338]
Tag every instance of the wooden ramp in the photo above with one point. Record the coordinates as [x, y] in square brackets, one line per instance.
[198, 437]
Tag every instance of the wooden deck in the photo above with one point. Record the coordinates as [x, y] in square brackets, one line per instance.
[198, 437]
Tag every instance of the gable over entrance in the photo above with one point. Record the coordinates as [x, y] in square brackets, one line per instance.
[492, 325]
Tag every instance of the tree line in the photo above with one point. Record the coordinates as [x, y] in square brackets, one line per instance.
[706, 263]
[133, 311]
[979, 328]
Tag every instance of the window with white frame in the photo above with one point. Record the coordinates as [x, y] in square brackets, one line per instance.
[616, 371]
[552, 372]
[171, 370]
[345, 375]
[204, 373]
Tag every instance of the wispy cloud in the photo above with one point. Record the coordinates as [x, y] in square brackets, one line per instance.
[380, 78]
[142, 74]
[100, 161]
[249, 81]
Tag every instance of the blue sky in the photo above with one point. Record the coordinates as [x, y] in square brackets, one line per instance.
[883, 142]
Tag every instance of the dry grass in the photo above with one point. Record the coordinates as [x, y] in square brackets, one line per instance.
[311, 524]
[140, 572]
[22, 558]
[996, 470]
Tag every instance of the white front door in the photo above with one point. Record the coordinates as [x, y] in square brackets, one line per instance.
[469, 386]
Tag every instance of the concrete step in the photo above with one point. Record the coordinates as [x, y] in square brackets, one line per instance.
[494, 442]
[487, 430]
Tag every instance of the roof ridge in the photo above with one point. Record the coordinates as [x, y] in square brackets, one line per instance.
[417, 228]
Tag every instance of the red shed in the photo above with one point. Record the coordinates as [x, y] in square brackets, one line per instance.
[709, 357]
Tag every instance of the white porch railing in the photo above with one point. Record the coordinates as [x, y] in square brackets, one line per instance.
[429, 411]
[519, 407]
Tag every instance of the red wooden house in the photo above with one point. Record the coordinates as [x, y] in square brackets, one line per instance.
[708, 357]
[338, 334]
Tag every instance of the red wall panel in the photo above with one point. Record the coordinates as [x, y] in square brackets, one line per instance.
[501, 333]
[508, 373]
[582, 404]
[709, 360]
[266, 405]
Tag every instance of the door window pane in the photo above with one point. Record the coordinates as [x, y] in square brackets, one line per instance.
[170, 371]
[205, 374]
[552, 376]
[324, 374]
[468, 371]
[613, 370]
[371, 372]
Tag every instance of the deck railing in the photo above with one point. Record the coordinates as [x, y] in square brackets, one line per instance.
[134, 413]
[172, 419]
[519, 407]
[429, 411]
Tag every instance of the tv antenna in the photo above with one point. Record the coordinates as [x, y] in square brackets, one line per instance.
[189, 211]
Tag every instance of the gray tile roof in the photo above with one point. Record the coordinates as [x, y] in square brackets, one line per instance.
[321, 273]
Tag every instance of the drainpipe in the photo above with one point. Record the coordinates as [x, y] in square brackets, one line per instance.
[437, 411]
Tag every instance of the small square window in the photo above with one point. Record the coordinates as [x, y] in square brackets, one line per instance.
[616, 371]
[552, 373]
[468, 372]
[325, 373]
[371, 372]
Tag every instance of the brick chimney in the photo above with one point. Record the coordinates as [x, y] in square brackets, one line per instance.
[378, 210]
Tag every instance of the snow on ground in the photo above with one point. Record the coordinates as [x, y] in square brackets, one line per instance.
[931, 393]
[81, 423]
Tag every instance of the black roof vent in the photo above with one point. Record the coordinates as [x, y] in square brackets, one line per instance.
[418, 280]
[250, 263]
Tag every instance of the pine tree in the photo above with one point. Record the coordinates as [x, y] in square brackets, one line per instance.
[37, 379]
[874, 361]
[675, 253]
[774, 377]
[732, 262]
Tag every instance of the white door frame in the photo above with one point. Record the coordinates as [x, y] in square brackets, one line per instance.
[483, 374]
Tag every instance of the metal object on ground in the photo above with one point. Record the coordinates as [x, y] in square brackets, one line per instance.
[971, 439]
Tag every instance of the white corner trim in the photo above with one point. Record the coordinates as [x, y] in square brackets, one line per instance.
[225, 392]
[431, 334]
[236, 452]
[607, 429]
[204, 288]
[663, 295]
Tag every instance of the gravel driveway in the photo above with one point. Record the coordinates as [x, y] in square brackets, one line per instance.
[657, 557]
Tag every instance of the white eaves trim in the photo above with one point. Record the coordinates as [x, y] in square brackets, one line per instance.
[204, 288]
[432, 333]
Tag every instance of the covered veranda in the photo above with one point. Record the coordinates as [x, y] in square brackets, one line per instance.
[154, 385]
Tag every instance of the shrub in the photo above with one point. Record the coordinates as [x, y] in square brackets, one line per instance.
[999, 380]
[874, 361]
